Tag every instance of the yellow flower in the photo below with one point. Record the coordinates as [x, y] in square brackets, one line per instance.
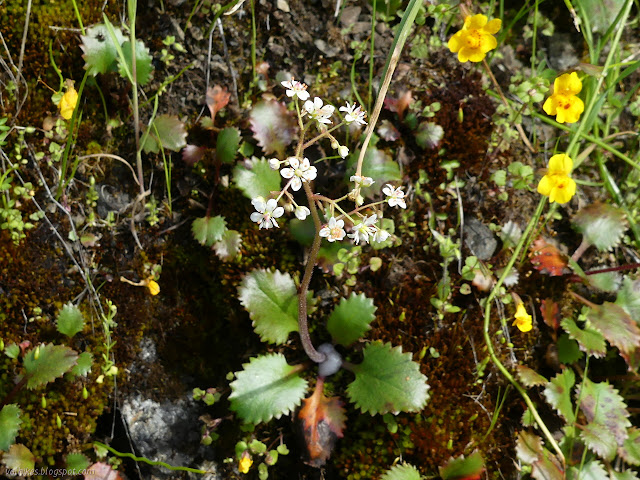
[475, 39]
[563, 102]
[245, 463]
[154, 288]
[68, 103]
[522, 318]
[557, 184]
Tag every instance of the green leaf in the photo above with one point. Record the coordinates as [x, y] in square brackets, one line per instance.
[77, 462]
[169, 130]
[591, 341]
[529, 377]
[591, 470]
[12, 350]
[271, 298]
[19, 457]
[602, 225]
[602, 405]
[429, 135]
[629, 298]
[616, 325]
[99, 50]
[461, 467]
[606, 281]
[227, 144]
[257, 178]
[70, 320]
[144, 67]
[544, 465]
[209, 230]
[229, 245]
[83, 367]
[402, 472]
[9, 425]
[626, 475]
[558, 394]
[378, 165]
[53, 361]
[388, 380]
[599, 440]
[601, 13]
[568, 349]
[630, 449]
[267, 387]
[351, 318]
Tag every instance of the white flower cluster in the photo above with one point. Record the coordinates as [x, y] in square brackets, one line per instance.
[296, 170]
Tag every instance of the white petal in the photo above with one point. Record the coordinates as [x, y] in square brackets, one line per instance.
[296, 183]
[287, 172]
[256, 217]
[277, 213]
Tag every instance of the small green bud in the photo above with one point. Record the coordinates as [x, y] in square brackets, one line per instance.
[43, 402]
[58, 421]
[85, 393]
[36, 353]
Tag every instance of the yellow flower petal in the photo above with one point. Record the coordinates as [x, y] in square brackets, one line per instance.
[550, 106]
[560, 164]
[522, 319]
[456, 42]
[476, 22]
[475, 39]
[488, 43]
[154, 288]
[545, 185]
[245, 464]
[563, 191]
[568, 84]
[68, 103]
[493, 26]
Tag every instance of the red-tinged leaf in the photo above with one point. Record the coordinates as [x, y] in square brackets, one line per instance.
[273, 126]
[617, 326]
[546, 258]
[102, 471]
[461, 468]
[400, 104]
[323, 420]
[545, 465]
[388, 131]
[217, 98]
[192, 154]
[550, 313]
[529, 377]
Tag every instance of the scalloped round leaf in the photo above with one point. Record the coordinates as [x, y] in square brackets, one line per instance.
[598, 439]
[144, 67]
[99, 50]
[545, 465]
[256, 178]
[271, 298]
[209, 230]
[229, 245]
[53, 361]
[558, 394]
[388, 380]
[403, 471]
[626, 475]
[606, 281]
[170, 130]
[461, 468]
[350, 320]
[83, 367]
[616, 325]
[227, 144]
[630, 449]
[267, 387]
[590, 341]
[429, 135]
[273, 126]
[568, 349]
[19, 457]
[529, 377]
[77, 461]
[9, 425]
[70, 320]
[602, 405]
[629, 298]
[591, 470]
[601, 224]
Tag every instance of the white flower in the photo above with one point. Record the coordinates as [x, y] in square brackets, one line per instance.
[302, 212]
[274, 163]
[343, 151]
[395, 196]
[333, 230]
[363, 230]
[296, 89]
[267, 212]
[380, 235]
[300, 171]
[317, 111]
[353, 114]
[362, 181]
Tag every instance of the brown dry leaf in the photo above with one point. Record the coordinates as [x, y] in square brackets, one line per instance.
[217, 98]
[400, 104]
[546, 258]
[550, 313]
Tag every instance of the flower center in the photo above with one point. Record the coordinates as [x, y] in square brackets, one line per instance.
[474, 39]
[335, 232]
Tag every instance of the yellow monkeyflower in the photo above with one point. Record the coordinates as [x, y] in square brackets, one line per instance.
[557, 184]
[68, 103]
[245, 463]
[522, 318]
[563, 102]
[475, 39]
[154, 288]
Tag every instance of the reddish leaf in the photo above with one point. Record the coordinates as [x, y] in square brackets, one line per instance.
[102, 471]
[273, 126]
[546, 258]
[191, 154]
[217, 98]
[400, 104]
[388, 132]
[323, 420]
[550, 313]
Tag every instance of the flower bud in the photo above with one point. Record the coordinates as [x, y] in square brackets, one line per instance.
[302, 212]
[274, 163]
[343, 151]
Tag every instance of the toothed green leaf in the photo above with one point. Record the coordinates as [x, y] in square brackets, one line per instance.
[590, 340]
[77, 462]
[598, 439]
[209, 230]
[402, 472]
[351, 318]
[558, 394]
[53, 361]
[256, 178]
[602, 406]
[629, 298]
[463, 467]
[99, 50]
[545, 466]
[617, 326]
[144, 67]
[267, 387]
[388, 380]
[227, 144]
[630, 449]
[70, 320]
[19, 457]
[601, 224]
[9, 425]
